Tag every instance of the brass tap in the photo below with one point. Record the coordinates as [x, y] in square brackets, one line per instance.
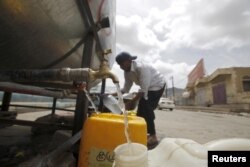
[103, 73]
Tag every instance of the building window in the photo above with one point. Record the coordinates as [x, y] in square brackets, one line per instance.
[246, 83]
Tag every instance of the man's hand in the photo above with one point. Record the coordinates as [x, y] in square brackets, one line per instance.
[130, 105]
[113, 94]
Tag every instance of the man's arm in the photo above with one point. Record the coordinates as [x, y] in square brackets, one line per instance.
[131, 104]
[138, 96]
[115, 93]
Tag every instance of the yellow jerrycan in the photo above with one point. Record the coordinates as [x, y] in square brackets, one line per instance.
[103, 132]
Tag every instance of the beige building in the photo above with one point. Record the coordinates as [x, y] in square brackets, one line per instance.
[226, 87]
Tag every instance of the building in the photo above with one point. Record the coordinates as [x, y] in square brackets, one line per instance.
[226, 87]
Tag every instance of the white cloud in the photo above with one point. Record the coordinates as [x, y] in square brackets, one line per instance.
[176, 34]
[178, 70]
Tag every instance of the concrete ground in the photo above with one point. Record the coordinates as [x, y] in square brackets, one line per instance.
[202, 127]
[20, 147]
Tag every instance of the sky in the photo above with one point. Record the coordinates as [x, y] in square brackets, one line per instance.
[173, 35]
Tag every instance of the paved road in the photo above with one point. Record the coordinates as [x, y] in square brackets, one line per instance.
[201, 127]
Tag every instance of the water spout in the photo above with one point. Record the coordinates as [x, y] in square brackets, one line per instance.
[103, 73]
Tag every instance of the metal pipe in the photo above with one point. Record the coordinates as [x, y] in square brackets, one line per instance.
[66, 146]
[6, 101]
[101, 97]
[63, 74]
[54, 106]
[89, 21]
[35, 124]
[39, 107]
[82, 102]
[18, 88]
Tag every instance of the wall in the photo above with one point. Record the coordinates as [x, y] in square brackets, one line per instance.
[232, 78]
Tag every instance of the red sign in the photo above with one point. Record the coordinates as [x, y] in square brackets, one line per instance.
[197, 72]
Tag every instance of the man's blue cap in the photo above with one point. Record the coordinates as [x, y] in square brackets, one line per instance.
[123, 56]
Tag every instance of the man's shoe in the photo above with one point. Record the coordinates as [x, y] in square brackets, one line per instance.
[152, 142]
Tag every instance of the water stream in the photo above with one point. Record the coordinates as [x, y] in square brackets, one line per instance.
[90, 100]
[121, 105]
[125, 113]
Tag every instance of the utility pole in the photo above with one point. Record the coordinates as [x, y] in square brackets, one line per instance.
[173, 88]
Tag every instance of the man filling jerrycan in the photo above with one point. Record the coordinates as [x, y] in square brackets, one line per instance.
[118, 139]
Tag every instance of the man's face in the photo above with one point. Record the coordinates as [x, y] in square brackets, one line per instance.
[126, 65]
